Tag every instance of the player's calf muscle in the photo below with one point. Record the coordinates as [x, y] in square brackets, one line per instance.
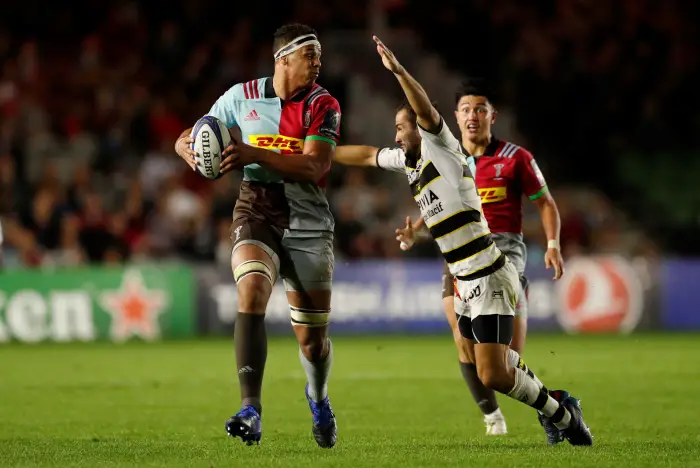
[492, 367]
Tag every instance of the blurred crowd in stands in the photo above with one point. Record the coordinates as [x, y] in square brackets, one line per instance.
[93, 95]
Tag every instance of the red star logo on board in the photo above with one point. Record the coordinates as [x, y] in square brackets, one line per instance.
[134, 309]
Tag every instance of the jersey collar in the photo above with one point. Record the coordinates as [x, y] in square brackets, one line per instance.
[271, 94]
[490, 149]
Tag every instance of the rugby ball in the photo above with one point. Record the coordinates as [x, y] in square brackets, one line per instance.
[211, 137]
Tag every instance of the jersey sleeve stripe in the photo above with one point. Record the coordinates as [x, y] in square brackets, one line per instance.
[245, 90]
[506, 147]
[454, 222]
[317, 96]
[256, 91]
[511, 151]
[538, 194]
[314, 93]
[320, 138]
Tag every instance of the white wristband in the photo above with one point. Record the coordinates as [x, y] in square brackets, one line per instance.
[553, 244]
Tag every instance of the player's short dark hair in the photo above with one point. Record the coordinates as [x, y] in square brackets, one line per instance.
[476, 86]
[405, 105]
[285, 34]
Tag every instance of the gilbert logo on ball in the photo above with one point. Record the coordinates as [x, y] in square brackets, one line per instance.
[599, 294]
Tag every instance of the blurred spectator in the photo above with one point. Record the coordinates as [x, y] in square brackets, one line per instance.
[89, 112]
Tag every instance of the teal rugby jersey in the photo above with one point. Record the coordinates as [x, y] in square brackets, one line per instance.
[281, 126]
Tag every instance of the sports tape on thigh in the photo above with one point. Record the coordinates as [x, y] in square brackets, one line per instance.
[309, 317]
[253, 267]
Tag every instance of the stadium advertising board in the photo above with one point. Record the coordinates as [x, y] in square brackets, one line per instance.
[599, 294]
[96, 304]
[680, 300]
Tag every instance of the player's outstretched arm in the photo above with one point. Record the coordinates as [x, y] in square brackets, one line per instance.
[356, 155]
[551, 222]
[427, 116]
[535, 188]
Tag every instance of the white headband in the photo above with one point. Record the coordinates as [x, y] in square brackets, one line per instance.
[297, 43]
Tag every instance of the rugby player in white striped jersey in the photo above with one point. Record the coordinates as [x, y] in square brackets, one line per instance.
[486, 282]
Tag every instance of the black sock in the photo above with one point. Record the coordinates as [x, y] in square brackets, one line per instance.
[250, 341]
[485, 397]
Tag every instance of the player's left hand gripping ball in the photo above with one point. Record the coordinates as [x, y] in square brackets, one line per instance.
[211, 136]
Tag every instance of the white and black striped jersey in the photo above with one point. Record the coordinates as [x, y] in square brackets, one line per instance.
[444, 190]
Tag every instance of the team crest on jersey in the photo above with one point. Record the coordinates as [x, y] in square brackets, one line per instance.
[307, 118]
[499, 168]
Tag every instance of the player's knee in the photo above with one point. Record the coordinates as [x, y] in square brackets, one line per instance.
[495, 378]
[253, 294]
[309, 318]
[313, 346]
[254, 280]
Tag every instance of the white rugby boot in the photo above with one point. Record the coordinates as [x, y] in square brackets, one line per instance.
[495, 423]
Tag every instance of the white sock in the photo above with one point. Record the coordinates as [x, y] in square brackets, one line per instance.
[528, 392]
[317, 374]
[516, 361]
[525, 389]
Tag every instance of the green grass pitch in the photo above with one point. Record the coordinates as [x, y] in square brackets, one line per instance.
[400, 401]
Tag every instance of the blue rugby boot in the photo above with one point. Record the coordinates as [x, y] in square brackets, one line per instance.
[554, 434]
[578, 432]
[324, 427]
[246, 424]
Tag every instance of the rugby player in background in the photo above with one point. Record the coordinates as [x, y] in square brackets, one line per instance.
[503, 172]
[282, 224]
[486, 282]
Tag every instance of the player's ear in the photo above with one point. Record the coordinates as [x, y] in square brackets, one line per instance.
[493, 116]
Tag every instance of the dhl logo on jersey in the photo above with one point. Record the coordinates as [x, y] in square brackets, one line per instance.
[282, 143]
[493, 194]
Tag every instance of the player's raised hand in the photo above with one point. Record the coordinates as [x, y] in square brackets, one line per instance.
[405, 235]
[553, 259]
[183, 148]
[388, 58]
